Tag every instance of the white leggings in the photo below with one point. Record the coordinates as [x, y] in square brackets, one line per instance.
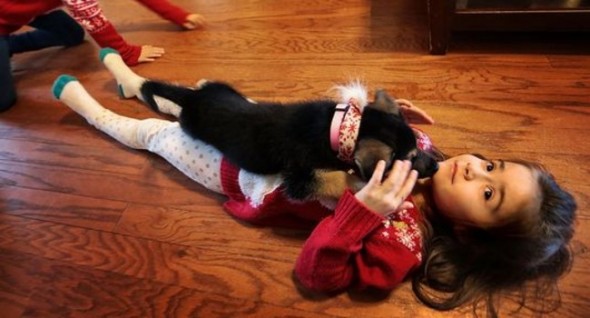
[196, 159]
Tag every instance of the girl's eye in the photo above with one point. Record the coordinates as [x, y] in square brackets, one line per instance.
[487, 194]
[490, 166]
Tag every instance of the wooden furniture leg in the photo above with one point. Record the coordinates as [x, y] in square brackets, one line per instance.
[440, 16]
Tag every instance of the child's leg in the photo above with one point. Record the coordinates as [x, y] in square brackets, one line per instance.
[197, 160]
[129, 83]
[7, 89]
[56, 28]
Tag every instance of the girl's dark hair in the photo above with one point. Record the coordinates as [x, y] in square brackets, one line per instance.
[522, 258]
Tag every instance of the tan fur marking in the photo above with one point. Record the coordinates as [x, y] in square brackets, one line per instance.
[332, 184]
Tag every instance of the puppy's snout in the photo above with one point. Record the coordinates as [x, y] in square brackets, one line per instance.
[425, 164]
[365, 170]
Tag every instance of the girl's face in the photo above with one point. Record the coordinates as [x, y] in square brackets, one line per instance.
[483, 193]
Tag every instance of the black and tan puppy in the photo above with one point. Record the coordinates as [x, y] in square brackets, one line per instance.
[294, 139]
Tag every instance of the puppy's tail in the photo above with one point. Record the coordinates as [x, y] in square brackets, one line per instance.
[176, 94]
[354, 89]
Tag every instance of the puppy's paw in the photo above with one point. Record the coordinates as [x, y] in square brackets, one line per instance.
[201, 83]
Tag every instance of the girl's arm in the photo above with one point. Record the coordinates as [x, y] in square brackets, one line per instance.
[414, 114]
[349, 248]
[89, 14]
[354, 246]
[173, 13]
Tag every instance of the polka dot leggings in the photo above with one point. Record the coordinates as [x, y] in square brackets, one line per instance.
[199, 161]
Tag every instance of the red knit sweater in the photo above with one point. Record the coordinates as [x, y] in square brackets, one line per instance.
[351, 246]
[14, 14]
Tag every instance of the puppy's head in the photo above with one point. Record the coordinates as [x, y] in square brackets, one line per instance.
[370, 151]
[384, 135]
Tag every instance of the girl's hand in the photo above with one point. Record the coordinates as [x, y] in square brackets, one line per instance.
[194, 21]
[388, 196]
[149, 53]
[413, 114]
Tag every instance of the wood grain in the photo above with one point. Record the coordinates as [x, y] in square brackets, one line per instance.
[89, 228]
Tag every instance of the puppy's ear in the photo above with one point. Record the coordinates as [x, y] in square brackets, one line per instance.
[385, 103]
[368, 152]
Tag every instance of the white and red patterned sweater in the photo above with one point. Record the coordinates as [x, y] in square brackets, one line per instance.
[351, 246]
[15, 14]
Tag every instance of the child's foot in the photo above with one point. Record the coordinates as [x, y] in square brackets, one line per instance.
[68, 90]
[128, 82]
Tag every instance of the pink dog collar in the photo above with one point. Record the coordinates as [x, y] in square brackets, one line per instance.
[345, 129]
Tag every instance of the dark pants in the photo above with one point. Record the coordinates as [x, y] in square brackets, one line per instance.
[56, 28]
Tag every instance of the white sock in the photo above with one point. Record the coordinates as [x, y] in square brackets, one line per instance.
[68, 90]
[131, 132]
[128, 82]
[166, 106]
[198, 160]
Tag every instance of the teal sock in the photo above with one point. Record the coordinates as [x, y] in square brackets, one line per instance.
[68, 90]
[60, 83]
[104, 51]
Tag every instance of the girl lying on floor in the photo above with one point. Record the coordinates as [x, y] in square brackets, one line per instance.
[477, 229]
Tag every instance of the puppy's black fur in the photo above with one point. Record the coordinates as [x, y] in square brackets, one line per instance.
[293, 139]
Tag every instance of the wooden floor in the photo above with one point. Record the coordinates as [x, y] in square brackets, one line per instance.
[89, 228]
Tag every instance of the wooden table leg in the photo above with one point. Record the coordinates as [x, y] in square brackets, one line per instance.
[440, 16]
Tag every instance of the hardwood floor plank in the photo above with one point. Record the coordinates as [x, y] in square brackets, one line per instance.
[59, 289]
[144, 188]
[168, 263]
[72, 156]
[61, 208]
[242, 275]
[207, 228]
[12, 304]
